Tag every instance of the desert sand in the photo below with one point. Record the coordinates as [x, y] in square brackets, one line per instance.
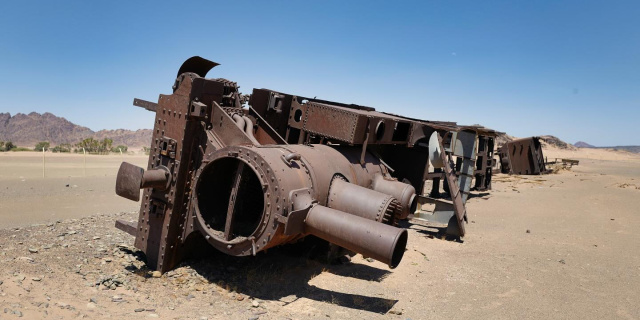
[557, 246]
[70, 189]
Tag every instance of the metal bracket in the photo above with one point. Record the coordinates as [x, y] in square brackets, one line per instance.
[301, 203]
[198, 110]
[275, 102]
[167, 147]
[156, 207]
[290, 157]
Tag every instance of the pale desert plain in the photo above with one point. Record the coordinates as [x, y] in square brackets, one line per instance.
[556, 246]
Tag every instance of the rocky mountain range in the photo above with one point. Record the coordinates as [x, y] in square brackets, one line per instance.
[556, 142]
[634, 149]
[26, 130]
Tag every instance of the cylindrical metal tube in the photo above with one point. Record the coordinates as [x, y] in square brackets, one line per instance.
[327, 161]
[239, 121]
[248, 125]
[155, 178]
[271, 178]
[362, 202]
[403, 192]
[369, 238]
[248, 129]
[364, 173]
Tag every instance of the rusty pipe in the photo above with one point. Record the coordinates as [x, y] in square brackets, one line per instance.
[246, 125]
[132, 178]
[369, 238]
[239, 121]
[156, 178]
[403, 192]
[362, 202]
[248, 129]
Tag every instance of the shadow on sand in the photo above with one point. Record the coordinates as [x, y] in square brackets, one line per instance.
[432, 232]
[286, 271]
[480, 195]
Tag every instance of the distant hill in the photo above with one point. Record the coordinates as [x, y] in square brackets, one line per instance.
[582, 144]
[556, 142]
[26, 130]
[634, 149]
[502, 138]
[547, 140]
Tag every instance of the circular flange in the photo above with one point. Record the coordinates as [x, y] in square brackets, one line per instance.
[243, 245]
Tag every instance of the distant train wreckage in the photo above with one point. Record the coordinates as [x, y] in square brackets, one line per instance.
[246, 173]
[522, 156]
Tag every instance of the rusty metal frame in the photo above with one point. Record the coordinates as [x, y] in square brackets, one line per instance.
[247, 179]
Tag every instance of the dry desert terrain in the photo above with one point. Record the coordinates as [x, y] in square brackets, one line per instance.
[557, 246]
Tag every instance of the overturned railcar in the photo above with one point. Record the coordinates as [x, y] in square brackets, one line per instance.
[249, 172]
[522, 156]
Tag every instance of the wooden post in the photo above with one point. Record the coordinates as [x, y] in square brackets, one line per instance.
[43, 162]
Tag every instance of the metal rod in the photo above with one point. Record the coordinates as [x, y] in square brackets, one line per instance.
[228, 228]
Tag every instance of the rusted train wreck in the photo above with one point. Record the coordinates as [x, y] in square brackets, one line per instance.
[522, 156]
[249, 172]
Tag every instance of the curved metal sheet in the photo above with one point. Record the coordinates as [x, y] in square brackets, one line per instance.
[197, 65]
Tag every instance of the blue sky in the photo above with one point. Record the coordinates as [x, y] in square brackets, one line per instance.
[566, 68]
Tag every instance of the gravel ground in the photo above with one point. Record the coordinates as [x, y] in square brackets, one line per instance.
[559, 246]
